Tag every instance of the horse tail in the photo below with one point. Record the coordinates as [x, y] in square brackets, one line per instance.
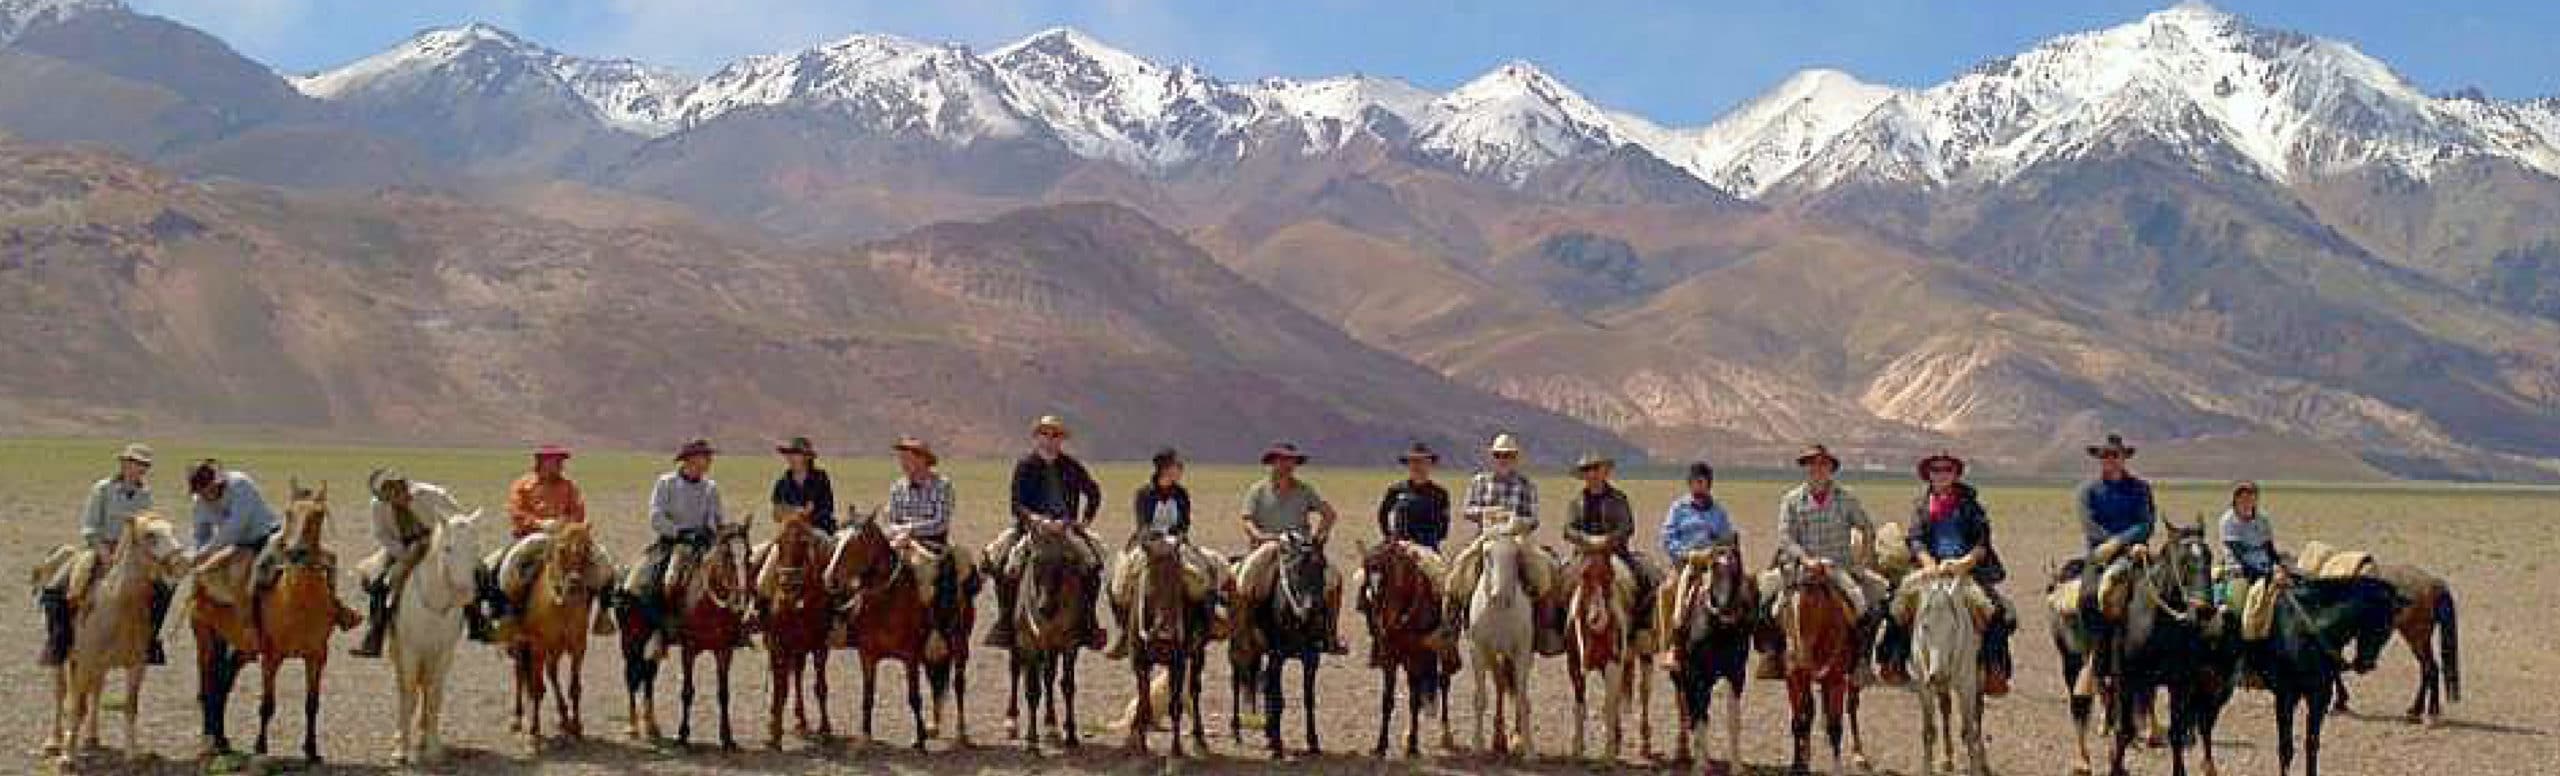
[2449, 633]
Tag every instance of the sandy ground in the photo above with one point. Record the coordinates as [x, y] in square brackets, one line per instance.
[2475, 537]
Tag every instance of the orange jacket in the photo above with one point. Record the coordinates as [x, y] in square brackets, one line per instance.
[531, 501]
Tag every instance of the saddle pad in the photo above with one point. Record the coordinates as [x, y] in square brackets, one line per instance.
[2325, 562]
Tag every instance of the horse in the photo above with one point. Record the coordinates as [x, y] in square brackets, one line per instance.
[426, 625]
[1404, 612]
[2299, 661]
[1244, 664]
[553, 630]
[1050, 598]
[799, 615]
[297, 614]
[1600, 625]
[1711, 632]
[1821, 653]
[866, 572]
[2429, 616]
[710, 617]
[1169, 632]
[1292, 621]
[112, 628]
[1502, 635]
[2172, 640]
[1946, 670]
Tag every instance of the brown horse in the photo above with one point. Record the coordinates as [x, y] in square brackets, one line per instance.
[1170, 632]
[1404, 612]
[711, 617]
[931, 640]
[1051, 592]
[798, 613]
[1821, 633]
[2429, 614]
[553, 630]
[1601, 625]
[298, 613]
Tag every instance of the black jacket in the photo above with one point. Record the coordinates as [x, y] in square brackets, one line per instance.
[1144, 507]
[1061, 489]
[1972, 526]
[816, 493]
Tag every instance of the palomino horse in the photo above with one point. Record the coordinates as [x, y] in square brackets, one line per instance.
[2314, 621]
[890, 618]
[1403, 607]
[799, 614]
[112, 627]
[2171, 640]
[297, 614]
[1711, 632]
[1292, 621]
[2429, 615]
[553, 630]
[425, 626]
[1051, 592]
[1822, 650]
[1600, 638]
[1947, 619]
[1244, 662]
[1170, 629]
[1502, 633]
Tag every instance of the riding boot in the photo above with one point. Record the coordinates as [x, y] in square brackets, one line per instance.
[1333, 643]
[1893, 655]
[1995, 660]
[377, 622]
[498, 623]
[56, 603]
[1000, 635]
[162, 594]
[1094, 637]
[475, 623]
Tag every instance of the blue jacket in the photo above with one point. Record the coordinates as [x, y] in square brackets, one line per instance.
[1690, 527]
[2116, 509]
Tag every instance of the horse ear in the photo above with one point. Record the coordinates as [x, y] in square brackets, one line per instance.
[293, 485]
[323, 493]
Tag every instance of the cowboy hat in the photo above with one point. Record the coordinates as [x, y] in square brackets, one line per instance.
[2243, 486]
[1050, 423]
[1279, 450]
[2115, 444]
[1590, 461]
[701, 447]
[1942, 456]
[204, 475]
[136, 452]
[1504, 444]
[1419, 452]
[551, 451]
[917, 445]
[1817, 453]
[381, 480]
[1166, 457]
[798, 445]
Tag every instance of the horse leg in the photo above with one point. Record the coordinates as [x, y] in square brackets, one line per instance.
[1013, 698]
[266, 700]
[1273, 666]
[960, 702]
[870, 691]
[2427, 703]
[1977, 761]
[1640, 674]
[1928, 728]
[1581, 711]
[2339, 682]
[1181, 668]
[1733, 725]
[2285, 703]
[405, 716]
[1835, 709]
[1857, 737]
[2080, 711]
[1421, 687]
[1067, 694]
[1612, 716]
[1501, 726]
[578, 693]
[818, 677]
[684, 702]
[915, 701]
[2314, 719]
[53, 743]
[720, 663]
[559, 697]
[779, 694]
[1386, 708]
[313, 669]
[1482, 668]
[1307, 689]
[1142, 709]
[1800, 713]
[1522, 708]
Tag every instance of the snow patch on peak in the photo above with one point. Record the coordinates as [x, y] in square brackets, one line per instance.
[885, 82]
[482, 58]
[1764, 140]
[16, 16]
[1514, 120]
[1107, 103]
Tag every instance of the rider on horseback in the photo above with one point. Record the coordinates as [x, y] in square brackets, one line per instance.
[1821, 522]
[803, 489]
[536, 503]
[1051, 486]
[1695, 525]
[1163, 511]
[404, 516]
[1602, 520]
[1274, 508]
[111, 501]
[1500, 493]
[233, 529]
[2116, 514]
[684, 510]
[1951, 535]
[921, 503]
[1414, 515]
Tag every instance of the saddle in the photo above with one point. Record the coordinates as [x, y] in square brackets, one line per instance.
[2321, 561]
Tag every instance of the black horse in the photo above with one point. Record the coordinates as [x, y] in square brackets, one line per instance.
[2179, 642]
[1293, 621]
[2315, 620]
[1711, 635]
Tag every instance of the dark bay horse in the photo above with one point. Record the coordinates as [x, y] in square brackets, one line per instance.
[881, 598]
[1292, 621]
[1403, 610]
[2430, 615]
[1822, 651]
[2173, 641]
[1170, 631]
[799, 615]
[1051, 592]
[2315, 620]
[1711, 634]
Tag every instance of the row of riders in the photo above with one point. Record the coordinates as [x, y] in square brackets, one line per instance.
[1280, 600]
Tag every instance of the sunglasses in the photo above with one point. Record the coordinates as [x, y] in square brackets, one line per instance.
[1942, 470]
[1052, 435]
[1506, 456]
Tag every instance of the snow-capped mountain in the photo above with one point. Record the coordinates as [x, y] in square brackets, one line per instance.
[2202, 82]
[1333, 111]
[881, 82]
[1764, 140]
[1512, 122]
[17, 16]
[1109, 104]
[481, 60]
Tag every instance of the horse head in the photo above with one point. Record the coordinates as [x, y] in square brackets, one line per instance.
[306, 515]
[2359, 609]
[1051, 583]
[1302, 572]
[572, 552]
[149, 549]
[453, 551]
[1730, 597]
[2183, 574]
[1395, 591]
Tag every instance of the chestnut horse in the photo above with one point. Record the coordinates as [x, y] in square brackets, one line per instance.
[1710, 631]
[1601, 627]
[554, 629]
[2429, 615]
[1822, 651]
[799, 613]
[711, 617]
[1404, 612]
[1170, 631]
[881, 599]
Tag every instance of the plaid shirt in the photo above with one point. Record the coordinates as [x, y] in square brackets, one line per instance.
[1822, 530]
[1516, 493]
[921, 510]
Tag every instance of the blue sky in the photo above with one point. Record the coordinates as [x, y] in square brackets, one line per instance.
[1682, 62]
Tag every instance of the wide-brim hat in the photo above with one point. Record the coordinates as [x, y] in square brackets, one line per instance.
[1940, 457]
[2115, 444]
[1280, 450]
[1814, 453]
[918, 446]
[551, 451]
[1166, 457]
[381, 480]
[1590, 461]
[1505, 444]
[798, 445]
[137, 453]
[2243, 486]
[205, 474]
[701, 447]
[1419, 452]
[1051, 423]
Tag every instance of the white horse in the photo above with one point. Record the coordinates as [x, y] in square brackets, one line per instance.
[1502, 632]
[110, 631]
[426, 624]
[1946, 669]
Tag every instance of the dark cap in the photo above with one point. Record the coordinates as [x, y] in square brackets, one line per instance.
[1419, 452]
[798, 445]
[1700, 470]
[701, 447]
[1166, 458]
[1279, 450]
[203, 475]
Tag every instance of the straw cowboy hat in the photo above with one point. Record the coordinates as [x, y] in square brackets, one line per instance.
[909, 444]
[551, 451]
[1504, 444]
[1279, 450]
[1941, 457]
[382, 481]
[1814, 453]
[2115, 444]
[1590, 461]
[701, 447]
[798, 445]
[1050, 423]
[136, 452]
[1419, 452]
